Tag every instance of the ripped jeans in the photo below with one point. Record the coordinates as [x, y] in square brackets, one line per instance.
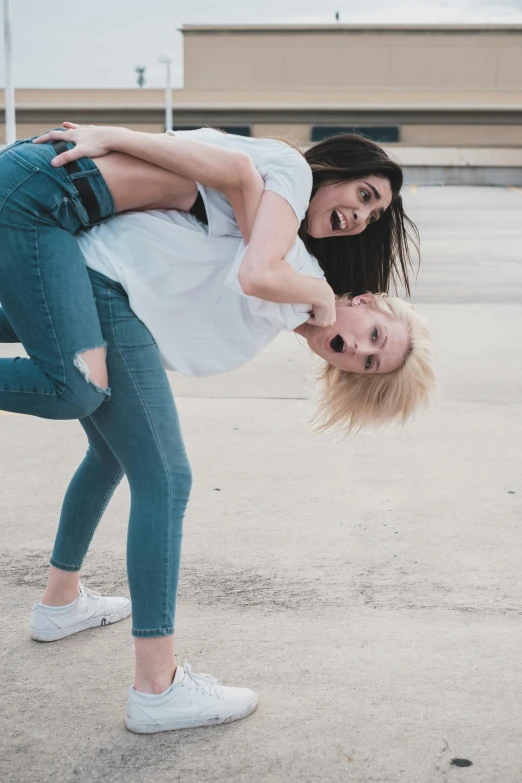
[136, 435]
[45, 290]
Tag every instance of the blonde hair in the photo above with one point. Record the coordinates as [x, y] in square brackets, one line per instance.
[350, 400]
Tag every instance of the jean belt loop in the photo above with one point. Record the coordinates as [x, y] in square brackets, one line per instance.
[82, 184]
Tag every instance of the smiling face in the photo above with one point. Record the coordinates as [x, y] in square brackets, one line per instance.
[364, 339]
[346, 209]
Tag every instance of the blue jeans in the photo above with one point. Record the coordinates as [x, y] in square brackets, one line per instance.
[45, 290]
[135, 433]
[48, 305]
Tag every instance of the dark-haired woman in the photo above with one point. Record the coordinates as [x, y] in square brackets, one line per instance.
[355, 224]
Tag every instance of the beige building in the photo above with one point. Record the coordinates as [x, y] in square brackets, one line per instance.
[455, 90]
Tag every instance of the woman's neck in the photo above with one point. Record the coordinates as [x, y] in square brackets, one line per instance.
[304, 329]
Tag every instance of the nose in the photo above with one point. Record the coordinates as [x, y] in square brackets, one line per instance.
[361, 215]
[354, 350]
[359, 349]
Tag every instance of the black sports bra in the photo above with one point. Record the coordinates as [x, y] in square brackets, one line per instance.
[198, 209]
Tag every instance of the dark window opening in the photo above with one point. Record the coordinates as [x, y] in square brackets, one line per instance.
[381, 133]
[237, 130]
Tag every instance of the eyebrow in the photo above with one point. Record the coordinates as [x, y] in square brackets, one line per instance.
[377, 196]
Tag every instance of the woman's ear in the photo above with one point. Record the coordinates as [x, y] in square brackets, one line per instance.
[363, 299]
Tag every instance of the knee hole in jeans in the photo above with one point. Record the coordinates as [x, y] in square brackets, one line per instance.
[92, 365]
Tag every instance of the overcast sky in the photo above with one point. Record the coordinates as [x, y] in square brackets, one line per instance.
[98, 43]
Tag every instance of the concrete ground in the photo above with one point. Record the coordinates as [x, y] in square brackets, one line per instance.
[368, 589]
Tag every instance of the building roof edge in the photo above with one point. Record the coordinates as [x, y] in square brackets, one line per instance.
[339, 27]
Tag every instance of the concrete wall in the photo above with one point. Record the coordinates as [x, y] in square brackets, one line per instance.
[359, 59]
[460, 165]
[473, 135]
[463, 175]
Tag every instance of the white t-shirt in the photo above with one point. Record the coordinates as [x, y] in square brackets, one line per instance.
[181, 276]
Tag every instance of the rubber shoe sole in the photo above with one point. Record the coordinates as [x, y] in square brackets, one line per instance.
[95, 622]
[139, 727]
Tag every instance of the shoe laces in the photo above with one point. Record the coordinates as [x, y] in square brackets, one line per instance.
[204, 682]
[86, 591]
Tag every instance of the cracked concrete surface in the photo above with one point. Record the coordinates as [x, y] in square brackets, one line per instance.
[368, 589]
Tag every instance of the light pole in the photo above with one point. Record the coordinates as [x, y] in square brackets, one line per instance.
[10, 123]
[169, 119]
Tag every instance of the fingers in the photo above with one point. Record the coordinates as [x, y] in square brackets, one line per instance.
[75, 126]
[320, 322]
[44, 138]
[326, 322]
[59, 161]
[67, 157]
[53, 135]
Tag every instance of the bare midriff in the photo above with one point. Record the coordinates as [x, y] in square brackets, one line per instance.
[137, 185]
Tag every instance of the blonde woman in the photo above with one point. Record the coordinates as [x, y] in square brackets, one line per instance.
[170, 291]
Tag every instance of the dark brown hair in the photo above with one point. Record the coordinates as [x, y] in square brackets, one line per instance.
[381, 255]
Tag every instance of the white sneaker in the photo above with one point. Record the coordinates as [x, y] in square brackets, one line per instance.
[192, 700]
[49, 623]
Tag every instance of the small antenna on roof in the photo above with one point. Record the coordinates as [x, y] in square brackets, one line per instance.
[141, 75]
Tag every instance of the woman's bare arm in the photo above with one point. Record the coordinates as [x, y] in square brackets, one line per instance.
[269, 229]
[266, 274]
[270, 234]
[245, 202]
[215, 167]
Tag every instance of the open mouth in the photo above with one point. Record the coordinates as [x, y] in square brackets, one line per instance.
[337, 221]
[337, 344]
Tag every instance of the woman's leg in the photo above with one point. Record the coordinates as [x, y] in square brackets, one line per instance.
[140, 424]
[95, 358]
[86, 499]
[45, 291]
[66, 607]
[155, 664]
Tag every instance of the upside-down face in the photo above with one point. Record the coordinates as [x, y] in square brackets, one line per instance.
[364, 339]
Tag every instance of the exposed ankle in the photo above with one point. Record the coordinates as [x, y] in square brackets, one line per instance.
[63, 587]
[156, 685]
[62, 599]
